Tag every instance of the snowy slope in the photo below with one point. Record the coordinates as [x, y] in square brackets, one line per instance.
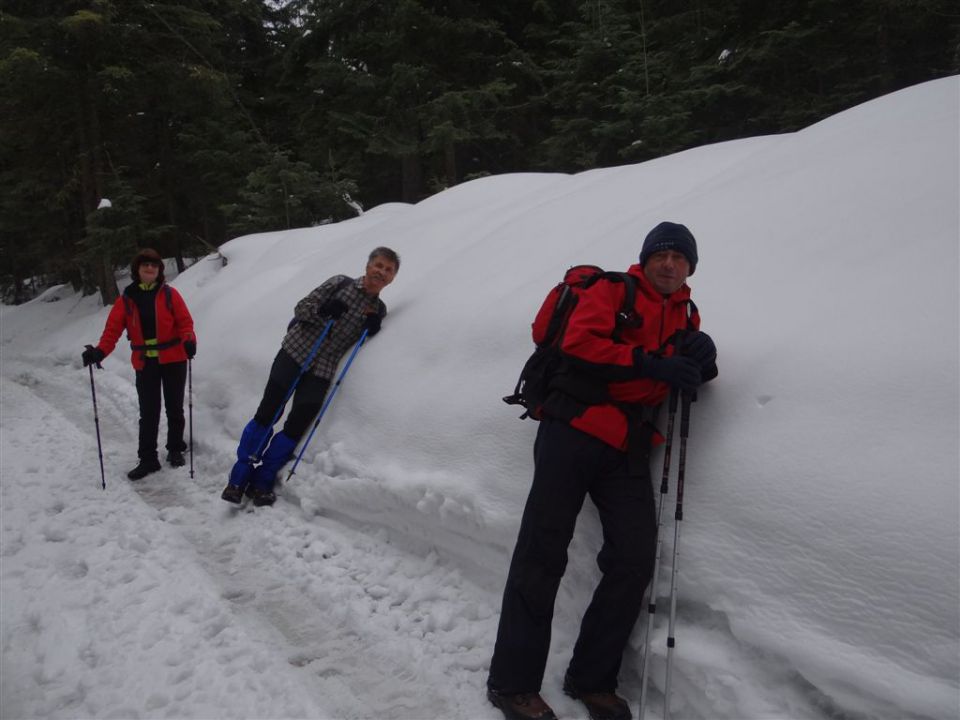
[820, 544]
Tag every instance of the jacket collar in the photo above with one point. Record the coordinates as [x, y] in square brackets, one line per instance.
[134, 288]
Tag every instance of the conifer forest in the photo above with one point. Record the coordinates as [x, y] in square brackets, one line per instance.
[180, 124]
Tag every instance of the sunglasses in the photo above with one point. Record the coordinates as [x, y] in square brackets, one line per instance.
[149, 263]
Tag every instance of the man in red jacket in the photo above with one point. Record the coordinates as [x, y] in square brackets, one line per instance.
[160, 330]
[601, 449]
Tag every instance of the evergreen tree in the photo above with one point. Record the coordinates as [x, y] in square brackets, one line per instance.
[587, 83]
[422, 85]
[34, 227]
[199, 118]
[114, 231]
[283, 194]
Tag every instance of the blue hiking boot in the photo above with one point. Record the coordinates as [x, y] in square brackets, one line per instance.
[265, 475]
[252, 441]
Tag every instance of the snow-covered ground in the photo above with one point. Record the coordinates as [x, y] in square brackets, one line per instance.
[820, 545]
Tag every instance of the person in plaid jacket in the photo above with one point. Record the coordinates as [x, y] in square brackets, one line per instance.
[354, 305]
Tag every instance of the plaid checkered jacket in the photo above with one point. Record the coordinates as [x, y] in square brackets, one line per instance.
[308, 323]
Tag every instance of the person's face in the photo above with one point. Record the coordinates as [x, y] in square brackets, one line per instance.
[148, 271]
[380, 273]
[667, 271]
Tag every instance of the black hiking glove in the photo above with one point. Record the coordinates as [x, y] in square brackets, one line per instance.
[699, 347]
[190, 348]
[333, 309]
[709, 372]
[372, 324]
[92, 356]
[678, 371]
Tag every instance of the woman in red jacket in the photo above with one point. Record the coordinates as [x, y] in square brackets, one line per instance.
[160, 331]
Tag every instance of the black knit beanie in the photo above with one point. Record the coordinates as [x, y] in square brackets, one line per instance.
[670, 236]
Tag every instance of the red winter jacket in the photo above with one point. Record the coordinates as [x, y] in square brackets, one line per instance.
[588, 339]
[174, 325]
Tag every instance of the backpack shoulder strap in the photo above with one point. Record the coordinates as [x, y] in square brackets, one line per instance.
[629, 294]
[626, 316]
[566, 300]
[691, 311]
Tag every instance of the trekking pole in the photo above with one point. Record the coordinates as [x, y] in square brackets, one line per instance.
[96, 421]
[293, 386]
[654, 582]
[326, 404]
[681, 471]
[190, 405]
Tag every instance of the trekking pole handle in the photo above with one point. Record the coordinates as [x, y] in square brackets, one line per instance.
[99, 366]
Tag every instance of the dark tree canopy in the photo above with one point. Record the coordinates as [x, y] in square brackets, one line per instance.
[203, 119]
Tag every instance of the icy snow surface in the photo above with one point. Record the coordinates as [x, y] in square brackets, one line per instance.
[819, 548]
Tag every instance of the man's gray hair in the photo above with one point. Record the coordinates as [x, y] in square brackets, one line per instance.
[387, 254]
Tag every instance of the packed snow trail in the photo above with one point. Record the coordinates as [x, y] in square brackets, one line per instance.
[819, 567]
[319, 613]
[362, 621]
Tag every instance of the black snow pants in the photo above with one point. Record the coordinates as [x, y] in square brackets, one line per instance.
[569, 465]
[154, 380]
[307, 398]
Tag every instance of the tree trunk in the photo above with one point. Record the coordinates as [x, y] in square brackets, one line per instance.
[91, 174]
[91, 157]
[169, 185]
[107, 283]
[411, 177]
[450, 162]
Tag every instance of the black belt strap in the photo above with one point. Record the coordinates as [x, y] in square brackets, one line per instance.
[159, 346]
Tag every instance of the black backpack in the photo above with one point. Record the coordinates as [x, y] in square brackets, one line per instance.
[546, 362]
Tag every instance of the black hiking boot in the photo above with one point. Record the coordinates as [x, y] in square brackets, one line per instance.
[175, 458]
[232, 494]
[600, 705]
[521, 706]
[261, 498]
[145, 467]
